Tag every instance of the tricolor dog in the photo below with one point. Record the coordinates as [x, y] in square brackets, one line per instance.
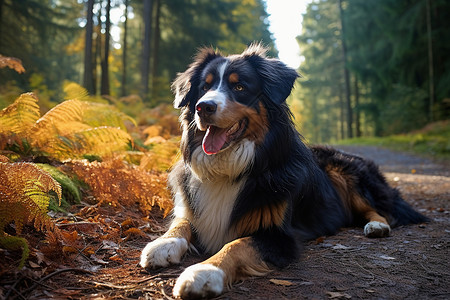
[248, 190]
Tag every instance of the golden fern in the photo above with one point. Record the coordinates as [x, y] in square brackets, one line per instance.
[12, 63]
[73, 90]
[24, 195]
[117, 183]
[18, 117]
[98, 141]
[24, 200]
[76, 128]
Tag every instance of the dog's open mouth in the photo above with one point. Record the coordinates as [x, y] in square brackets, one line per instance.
[216, 138]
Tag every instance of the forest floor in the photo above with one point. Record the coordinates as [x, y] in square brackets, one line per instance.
[413, 263]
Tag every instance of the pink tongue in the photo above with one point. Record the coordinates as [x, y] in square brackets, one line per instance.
[214, 140]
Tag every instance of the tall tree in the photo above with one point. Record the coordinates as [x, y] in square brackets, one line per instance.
[322, 91]
[430, 60]
[146, 44]
[346, 74]
[124, 49]
[105, 63]
[155, 47]
[88, 79]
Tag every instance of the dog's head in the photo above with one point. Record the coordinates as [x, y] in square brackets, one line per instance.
[228, 96]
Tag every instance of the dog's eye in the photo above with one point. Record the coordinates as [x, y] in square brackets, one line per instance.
[205, 87]
[239, 87]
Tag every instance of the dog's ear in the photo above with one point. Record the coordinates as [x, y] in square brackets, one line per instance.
[185, 85]
[278, 79]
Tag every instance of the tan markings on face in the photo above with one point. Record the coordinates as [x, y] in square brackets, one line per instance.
[233, 78]
[257, 120]
[209, 78]
[265, 217]
[239, 259]
[351, 199]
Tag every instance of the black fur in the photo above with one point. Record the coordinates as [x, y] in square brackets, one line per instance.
[284, 169]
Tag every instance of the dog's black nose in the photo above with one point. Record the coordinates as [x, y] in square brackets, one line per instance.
[206, 108]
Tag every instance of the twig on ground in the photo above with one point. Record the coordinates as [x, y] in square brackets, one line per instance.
[53, 274]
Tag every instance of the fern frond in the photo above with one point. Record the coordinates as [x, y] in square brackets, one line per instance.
[117, 183]
[19, 117]
[100, 141]
[73, 90]
[16, 243]
[67, 111]
[24, 195]
[100, 114]
[12, 63]
[80, 128]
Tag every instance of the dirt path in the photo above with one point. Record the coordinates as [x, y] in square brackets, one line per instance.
[413, 263]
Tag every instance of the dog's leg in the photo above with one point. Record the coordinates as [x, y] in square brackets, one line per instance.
[354, 203]
[236, 260]
[169, 248]
[377, 226]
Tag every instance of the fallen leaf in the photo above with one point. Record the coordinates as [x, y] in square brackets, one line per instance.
[338, 295]
[33, 265]
[319, 240]
[116, 258]
[387, 257]
[281, 282]
[340, 247]
[98, 260]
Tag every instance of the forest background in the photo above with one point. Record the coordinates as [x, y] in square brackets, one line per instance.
[99, 128]
[369, 67]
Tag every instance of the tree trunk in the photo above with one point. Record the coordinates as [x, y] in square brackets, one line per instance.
[430, 61]
[357, 110]
[104, 90]
[124, 52]
[342, 114]
[97, 49]
[88, 79]
[346, 74]
[145, 66]
[1, 25]
[155, 54]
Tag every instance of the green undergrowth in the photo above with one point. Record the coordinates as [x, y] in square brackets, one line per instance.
[432, 141]
[70, 189]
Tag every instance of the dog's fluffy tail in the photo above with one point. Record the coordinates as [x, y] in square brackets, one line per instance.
[404, 214]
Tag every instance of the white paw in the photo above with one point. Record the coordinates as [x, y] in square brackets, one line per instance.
[376, 229]
[200, 281]
[163, 251]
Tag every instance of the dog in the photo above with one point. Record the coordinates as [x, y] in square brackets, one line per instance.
[248, 190]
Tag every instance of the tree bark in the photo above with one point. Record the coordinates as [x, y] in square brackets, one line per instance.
[357, 110]
[88, 78]
[156, 37]
[145, 66]
[346, 74]
[430, 61]
[124, 52]
[104, 90]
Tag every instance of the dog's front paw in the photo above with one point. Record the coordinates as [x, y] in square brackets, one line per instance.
[163, 251]
[376, 229]
[200, 281]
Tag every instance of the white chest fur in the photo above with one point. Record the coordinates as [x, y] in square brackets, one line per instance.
[214, 189]
[214, 203]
